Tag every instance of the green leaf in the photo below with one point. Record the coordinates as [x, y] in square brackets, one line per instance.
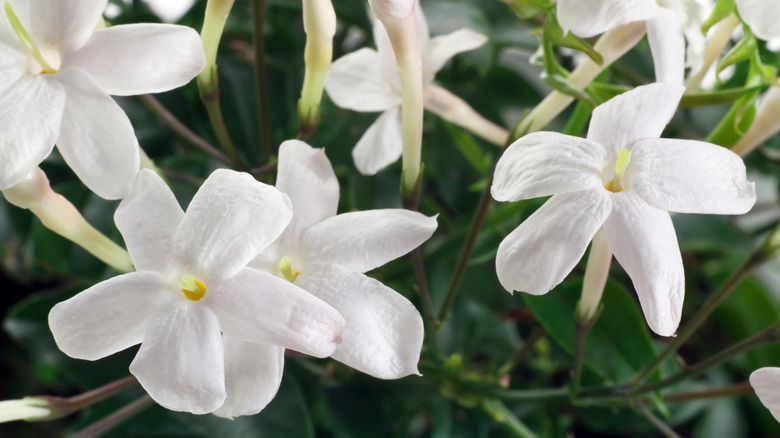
[715, 97]
[530, 8]
[746, 48]
[619, 344]
[555, 35]
[469, 148]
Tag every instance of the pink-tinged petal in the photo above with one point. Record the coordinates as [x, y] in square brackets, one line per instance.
[766, 383]
[689, 176]
[364, 240]
[66, 23]
[229, 221]
[108, 317]
[140, 58]
[181, 359]
[253, 373]
[592, 17]
[30, 113]
[635, 115]
[256, 306]
[306, 176]
[667, 44]
[384, 332]
[148, 219]
[643, 240]
[441, 48]
[96, 138]
[381, 145]
[546, 163]
[355, 82]
[762, 16]
[541, 252]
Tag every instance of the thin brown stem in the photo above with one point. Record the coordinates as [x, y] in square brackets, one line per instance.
[214, 109]
[118, 417]
[738, 389]
[660, 425]
[258, 18]
[262, 170]
[523, 352]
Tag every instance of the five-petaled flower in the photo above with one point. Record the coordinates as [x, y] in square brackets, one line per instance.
[326, 254]
[623, 178]
[56, 74]
[212, 331]
[367, 81]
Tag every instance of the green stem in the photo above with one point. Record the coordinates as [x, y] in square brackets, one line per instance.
[756, 259]
[738, 389]
[529, 394]
[211, 102]
[261, 91]
[525, 350]
[115, 419]
[62, 407]
[503, 416]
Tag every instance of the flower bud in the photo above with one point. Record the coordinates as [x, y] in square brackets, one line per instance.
[217, 12]
[28, 409]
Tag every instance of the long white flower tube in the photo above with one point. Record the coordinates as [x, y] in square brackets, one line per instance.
[212, 330]
[326, 254]
[57, 214]
[622, 178]
[57, 72]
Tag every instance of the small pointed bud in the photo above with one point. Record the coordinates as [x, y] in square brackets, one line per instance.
[27, 409]
[319, 23]
[217, 12]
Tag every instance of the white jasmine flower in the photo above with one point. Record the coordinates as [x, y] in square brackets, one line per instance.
[367, 80]
[326, 254]
[623, 178]
[212, 331]
[57, 72]
[766, 383]
[762, 16]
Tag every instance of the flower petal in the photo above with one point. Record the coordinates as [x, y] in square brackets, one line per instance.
[148, 219]
[364, 240]
[253, 373]
[762, 16]
[256, 306]
[766, 383]
[689, 176]
[443, 47]
[140, 58]
[181, 359]
[546, 163]
[355, 82]
[643, 240]
[542, 251]
[306, 176]
[30, 114]
[589, 18]
[228, 222]
[634, 115]
[96, 138]
[106, 318]
[68, 23]
[384, 332]
[381, 145]
[667, 44]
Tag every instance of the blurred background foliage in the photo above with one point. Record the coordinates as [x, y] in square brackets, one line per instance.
[483, 341]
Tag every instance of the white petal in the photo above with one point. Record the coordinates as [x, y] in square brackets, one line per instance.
[689, 176]
[762, 16]
[140, 58]
[667, 44]
[256, 306]
[306, 176]
[592, 17]
[441, 48]
[96, 139]
[181, 360]
[634, 115]
[384, 332]
[766, 383]
[148, 219]
[381, 145]
[644, 243]
[364, 240]
[66, 23]
[546, 163]
[355, 82]
[106, 318]
[542, 251]
[229, 221]
[253, 373]
[388, 66]
[30, 114]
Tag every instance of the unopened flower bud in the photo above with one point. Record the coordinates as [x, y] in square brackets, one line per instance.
[28, 409]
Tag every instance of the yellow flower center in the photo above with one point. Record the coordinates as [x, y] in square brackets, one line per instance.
[26, 40]
[285, 266]
[192, 288]
[623, 158]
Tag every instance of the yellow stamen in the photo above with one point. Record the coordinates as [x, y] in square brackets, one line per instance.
[192, 288]
[623, 158]
[27, 42]
[286, 267]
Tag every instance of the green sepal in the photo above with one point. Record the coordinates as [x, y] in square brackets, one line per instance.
[723, 8]
[530, 8]
[746, 48]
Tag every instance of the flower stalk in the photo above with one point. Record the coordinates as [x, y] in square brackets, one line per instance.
[716, 43]
[57, 214]
[319, 23]
[456, 111]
